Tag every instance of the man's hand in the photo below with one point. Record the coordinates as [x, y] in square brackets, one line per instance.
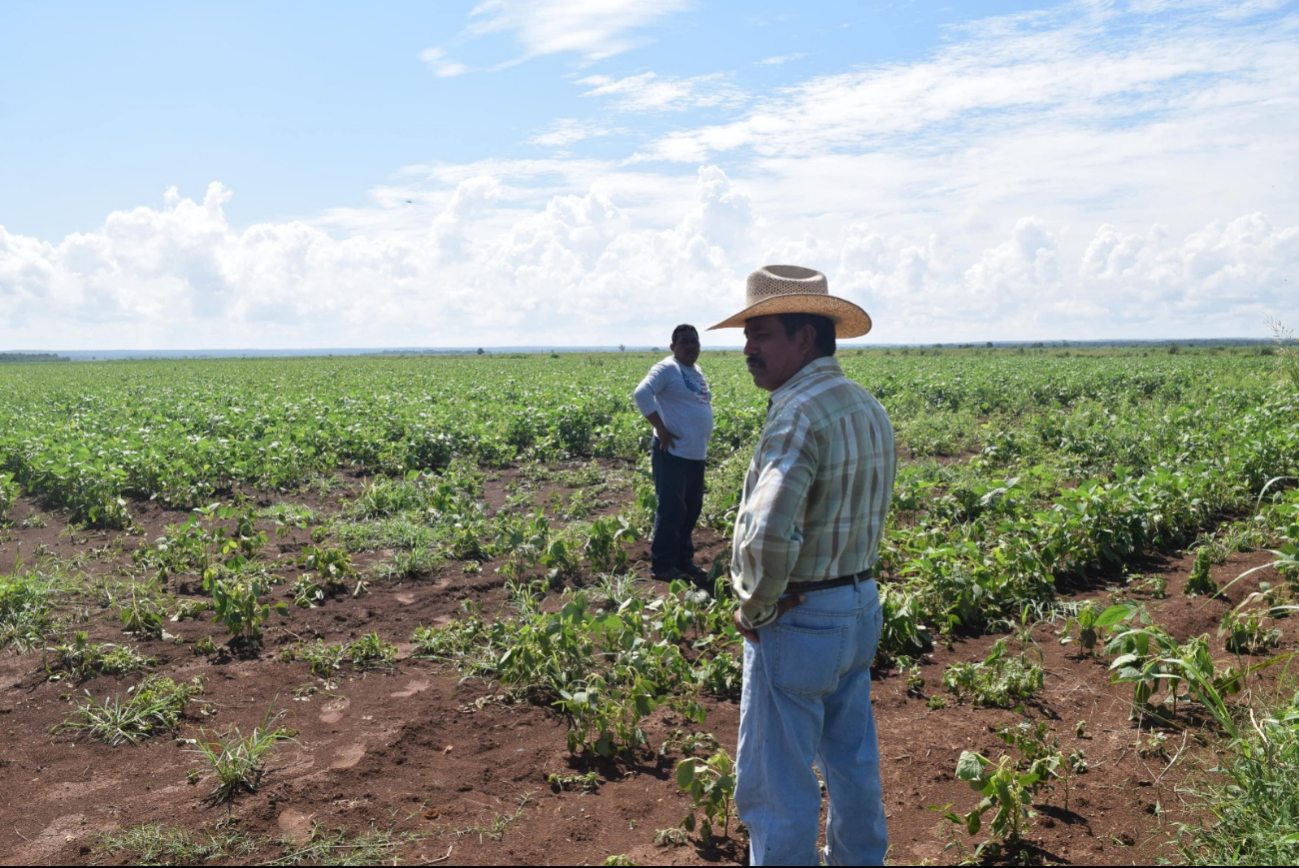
[666, 438]
[781, 608]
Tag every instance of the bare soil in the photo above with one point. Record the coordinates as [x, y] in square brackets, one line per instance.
[419, 750]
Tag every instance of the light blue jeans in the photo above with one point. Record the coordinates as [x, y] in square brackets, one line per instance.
[807, 699]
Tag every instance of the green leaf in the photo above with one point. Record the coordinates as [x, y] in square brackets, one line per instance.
[1113, 615]
[970, 767]
[685, 773]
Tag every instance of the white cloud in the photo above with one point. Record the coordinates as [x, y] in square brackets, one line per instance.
[442, 66]
[650, 92]
[569, 131]
[595, 29]
[1063, 174]
[581, 269]
[1014, 76]
[182, 276]
[781, 59]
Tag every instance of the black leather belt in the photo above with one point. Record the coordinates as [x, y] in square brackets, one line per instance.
[800, 587]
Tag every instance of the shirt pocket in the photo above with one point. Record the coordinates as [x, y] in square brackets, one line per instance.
[806, 661]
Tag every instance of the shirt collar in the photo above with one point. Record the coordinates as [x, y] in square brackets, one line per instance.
[823, 365]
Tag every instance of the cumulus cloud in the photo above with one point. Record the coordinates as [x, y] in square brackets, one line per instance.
[581, 268]
[182, 276]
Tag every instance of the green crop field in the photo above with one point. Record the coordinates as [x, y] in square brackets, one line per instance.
[1035, 490]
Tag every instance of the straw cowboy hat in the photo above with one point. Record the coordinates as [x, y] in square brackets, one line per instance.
[776, 289]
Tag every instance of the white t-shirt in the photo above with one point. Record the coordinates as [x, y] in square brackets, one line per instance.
[680, 395]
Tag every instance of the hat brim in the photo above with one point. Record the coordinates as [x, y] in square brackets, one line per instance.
[850, 321]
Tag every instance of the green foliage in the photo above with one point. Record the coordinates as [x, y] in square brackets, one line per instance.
[8, 494]
[367, 652]
[1001, 680]
[1089, 621]
[1286, 355]
[236, 604]
[156, 844]
[78, 659]
[371, 652]
[711, 786]
[1246, 629]
[1039, 751]
[1007, 793]
[142, 611]
[585, 783]
[333, 565]
[338, 846]
[238, 761]
[154, 705]
[901, 634]
[1200, 582]
[1251, 804]
[25, 616]
[606, 670]
[606, 545]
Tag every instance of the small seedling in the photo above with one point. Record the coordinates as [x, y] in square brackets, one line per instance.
[1200, 582]
[1006, 791]
[711, 785]
[674, 836]
[239, 761]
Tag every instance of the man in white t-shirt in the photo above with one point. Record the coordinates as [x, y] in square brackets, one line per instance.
[674, 397]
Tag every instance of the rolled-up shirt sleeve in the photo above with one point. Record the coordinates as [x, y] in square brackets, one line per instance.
[768, 531]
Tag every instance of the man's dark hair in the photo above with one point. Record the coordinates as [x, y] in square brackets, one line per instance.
[823, 324]
[684, 327]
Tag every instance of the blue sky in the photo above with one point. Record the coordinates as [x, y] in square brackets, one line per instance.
[536, 172]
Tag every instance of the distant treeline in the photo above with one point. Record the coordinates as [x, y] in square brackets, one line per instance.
[32, 357]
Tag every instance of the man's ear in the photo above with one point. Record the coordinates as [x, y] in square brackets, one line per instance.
[806, 338]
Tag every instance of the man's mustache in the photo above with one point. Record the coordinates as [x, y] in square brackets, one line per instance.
[754, 363]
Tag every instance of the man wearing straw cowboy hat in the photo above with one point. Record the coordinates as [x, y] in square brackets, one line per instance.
[806, 537]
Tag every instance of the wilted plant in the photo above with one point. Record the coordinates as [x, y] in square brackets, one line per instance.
[1200, 582]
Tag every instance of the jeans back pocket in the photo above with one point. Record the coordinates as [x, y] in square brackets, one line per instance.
[806, 661]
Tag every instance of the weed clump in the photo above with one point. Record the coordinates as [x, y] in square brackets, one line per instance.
[238, 761]
[154, 705]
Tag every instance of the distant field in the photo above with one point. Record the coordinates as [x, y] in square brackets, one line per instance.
[433, 567]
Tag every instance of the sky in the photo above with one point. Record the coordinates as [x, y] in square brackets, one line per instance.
[593, 172]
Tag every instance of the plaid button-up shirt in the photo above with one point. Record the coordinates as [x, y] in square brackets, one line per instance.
[817, 492]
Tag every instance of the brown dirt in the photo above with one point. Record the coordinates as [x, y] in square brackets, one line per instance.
[419, 750]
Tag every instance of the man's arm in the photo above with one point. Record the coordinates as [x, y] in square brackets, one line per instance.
[768, 533]
[666, 438]
[645, 392]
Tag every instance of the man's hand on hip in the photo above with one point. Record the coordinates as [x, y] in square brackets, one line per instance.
[781, 608]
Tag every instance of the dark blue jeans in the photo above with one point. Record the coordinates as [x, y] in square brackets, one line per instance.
[679, 487]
